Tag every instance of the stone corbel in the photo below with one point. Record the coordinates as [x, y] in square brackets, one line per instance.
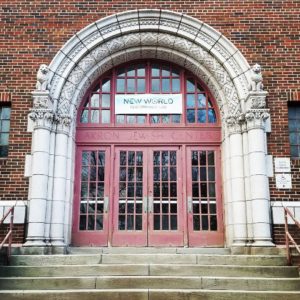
[256, 100]
[42, 113]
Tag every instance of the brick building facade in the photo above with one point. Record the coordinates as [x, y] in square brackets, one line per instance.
[263, 32]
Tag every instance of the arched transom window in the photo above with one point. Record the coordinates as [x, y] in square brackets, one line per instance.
[151, 78]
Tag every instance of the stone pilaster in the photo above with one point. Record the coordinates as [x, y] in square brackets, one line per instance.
[43, 117]
[259, 184]
[59, 180]
[237, 200]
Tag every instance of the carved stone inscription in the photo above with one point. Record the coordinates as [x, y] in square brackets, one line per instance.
[148, 136]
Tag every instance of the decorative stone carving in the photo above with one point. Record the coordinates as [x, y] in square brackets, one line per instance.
[43, 118]
[256, 100]
[42, 78]
[42, 113]
[256, 79]
[63, 119]
[193, 38]
[255, 118]
[182, 46]
[46, 114]
[40, 102]
[234, 123]
[63, 122]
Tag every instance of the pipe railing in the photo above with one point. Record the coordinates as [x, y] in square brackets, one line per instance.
[10, 232]
[288, 238]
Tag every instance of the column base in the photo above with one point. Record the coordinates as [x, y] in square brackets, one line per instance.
[57, 243]
[239, 243]
[263, 243]
[250, 243]
[34, 243]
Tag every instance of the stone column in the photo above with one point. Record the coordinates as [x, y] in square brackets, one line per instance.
[59, 180]
[247, 185]
[237, 181]
[227, 188]
[50, 187]
[43, 121]
[259, 182]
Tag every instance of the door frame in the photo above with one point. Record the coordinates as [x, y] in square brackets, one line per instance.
[190, 239]
[90, 237]
[205, 238]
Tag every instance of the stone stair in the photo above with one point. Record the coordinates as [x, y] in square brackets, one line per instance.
[149, 274]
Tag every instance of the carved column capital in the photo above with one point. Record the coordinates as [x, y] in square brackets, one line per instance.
[255, 118]
[63, 122]
[42, 118]
[234, 123]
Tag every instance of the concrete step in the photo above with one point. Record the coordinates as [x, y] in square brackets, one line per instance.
[203, 259]
[152, 282]
[150, 269]
[38, 260]
[148, 294]
[146, 250]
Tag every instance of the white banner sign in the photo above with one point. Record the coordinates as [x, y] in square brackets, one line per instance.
[148, 104]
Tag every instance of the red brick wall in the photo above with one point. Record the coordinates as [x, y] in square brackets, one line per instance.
[279, 236]
[18, 233]
[31, 33]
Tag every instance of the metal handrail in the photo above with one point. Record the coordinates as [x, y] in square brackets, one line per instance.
[288, 237]
[10, 232]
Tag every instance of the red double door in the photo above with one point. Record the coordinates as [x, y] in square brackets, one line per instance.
[147, 196]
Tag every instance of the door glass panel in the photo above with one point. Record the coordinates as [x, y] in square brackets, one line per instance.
[165, 190]
[204, 191]
[130, 191]
[92, 190]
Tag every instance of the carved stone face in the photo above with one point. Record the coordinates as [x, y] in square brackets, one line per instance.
[44, 68]
[256, 68]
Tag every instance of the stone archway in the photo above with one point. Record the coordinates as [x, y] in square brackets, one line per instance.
[149, 34]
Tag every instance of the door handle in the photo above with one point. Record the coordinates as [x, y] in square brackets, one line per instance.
[190, 204]
[106, 204]
[150, 204]
[145, 204]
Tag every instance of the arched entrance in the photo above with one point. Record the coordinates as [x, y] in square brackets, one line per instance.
[146, 35]
[148, 160]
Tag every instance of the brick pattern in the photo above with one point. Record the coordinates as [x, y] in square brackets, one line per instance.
[264, 31]
[279, 233]
[18, 233]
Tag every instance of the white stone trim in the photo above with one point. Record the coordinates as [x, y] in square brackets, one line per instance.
[278, 211]
[19, 212]
[160, 29]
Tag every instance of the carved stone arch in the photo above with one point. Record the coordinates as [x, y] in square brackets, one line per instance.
[172, 37]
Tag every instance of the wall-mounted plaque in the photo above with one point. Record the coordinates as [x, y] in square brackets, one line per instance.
[283, 181]
[148, 104]
[282, 164]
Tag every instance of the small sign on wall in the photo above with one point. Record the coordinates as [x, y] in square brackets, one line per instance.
[283, 181]
[148, 104]
[282, 165]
